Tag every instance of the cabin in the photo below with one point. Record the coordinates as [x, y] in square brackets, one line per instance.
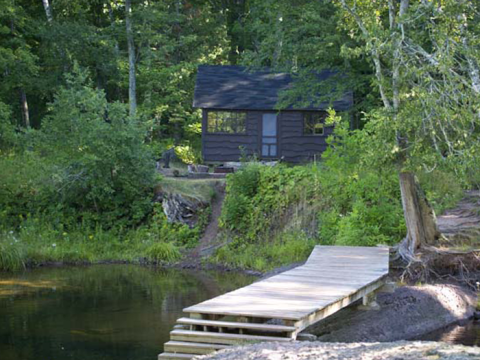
[240, 116]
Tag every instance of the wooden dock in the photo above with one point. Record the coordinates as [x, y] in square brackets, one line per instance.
[280, 307]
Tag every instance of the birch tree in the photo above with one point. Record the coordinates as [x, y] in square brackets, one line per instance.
[48, 10]
[427, 77]
[132, 86]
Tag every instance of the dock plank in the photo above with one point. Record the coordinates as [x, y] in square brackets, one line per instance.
[330, 273]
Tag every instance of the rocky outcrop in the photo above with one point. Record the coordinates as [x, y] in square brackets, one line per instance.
[401, 350]
[180, 208]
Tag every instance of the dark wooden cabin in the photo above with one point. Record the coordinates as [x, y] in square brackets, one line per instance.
[239, 116]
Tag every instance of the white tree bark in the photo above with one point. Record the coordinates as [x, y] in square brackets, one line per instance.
[132, 86]
[419, 216]
[48, 10]
[24, 105]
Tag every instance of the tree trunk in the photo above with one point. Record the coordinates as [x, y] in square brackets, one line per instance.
[419, 216]
[24, 104]
[48, 10]
[132, 86]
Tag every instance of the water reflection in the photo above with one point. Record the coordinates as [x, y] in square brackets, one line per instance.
[466, 333]
[100, 312]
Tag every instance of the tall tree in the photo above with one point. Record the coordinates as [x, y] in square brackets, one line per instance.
[132, 82]
[419, 62]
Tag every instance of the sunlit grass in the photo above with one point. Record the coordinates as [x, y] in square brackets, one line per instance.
[36, 243]
[287, 248]
[199, 189]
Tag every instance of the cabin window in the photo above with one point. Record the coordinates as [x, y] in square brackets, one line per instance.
[226, 122]
[314, 123]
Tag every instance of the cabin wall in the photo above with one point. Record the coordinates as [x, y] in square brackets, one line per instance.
[226, 147]
[295, 146]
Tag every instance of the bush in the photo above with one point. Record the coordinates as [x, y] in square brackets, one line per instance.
[99, 161]
[27, 189]
[188, 154]
[442, 188]
[7, 130]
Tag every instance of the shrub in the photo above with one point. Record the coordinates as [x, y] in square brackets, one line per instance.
[100, 163]
[442, 188]
[188, 154]
[27, 189]
[7, 130]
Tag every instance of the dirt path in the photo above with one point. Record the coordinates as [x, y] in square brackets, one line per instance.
[209, 242]
[461, 225]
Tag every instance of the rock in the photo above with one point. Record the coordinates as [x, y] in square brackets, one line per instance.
[477, 315]
[306, 337]
[181, 209]
[414, 311]
[402, 350]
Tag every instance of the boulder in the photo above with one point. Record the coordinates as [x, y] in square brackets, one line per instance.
[401, 350]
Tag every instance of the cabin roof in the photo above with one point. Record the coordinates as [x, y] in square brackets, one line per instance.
[234, 87]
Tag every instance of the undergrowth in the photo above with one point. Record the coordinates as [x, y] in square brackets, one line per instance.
[36, 242]
[273, 216]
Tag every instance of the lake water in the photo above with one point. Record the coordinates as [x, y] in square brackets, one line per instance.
[467, 333]
[120, 312]
[107, 312]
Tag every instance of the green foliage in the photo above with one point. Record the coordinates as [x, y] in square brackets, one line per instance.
[101, 165]
[162, 251]
[188, 155]
[27, 188]
[362, 204]
[258, 197]
[442, 188]
[7, 130]
[198, 189]
[167, 232]
[287, 248]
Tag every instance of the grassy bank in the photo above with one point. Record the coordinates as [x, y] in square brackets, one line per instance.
[38, 241]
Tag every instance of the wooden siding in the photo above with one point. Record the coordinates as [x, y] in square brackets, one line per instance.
[293, 145]
[226, 147]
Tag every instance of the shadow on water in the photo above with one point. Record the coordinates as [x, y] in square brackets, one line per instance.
[466, 333]
[99, 312]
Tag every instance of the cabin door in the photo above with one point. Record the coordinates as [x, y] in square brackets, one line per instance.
[269, 141]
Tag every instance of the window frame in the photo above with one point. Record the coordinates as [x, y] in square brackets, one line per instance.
[306, 114]
[207, 130]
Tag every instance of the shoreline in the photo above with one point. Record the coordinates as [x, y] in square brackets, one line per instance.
[415, 310]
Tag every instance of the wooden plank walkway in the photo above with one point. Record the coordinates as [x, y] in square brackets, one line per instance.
[280, 307]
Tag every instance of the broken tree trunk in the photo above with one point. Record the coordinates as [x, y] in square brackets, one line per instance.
[420, 218]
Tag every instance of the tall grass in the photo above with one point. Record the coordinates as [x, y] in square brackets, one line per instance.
[37, 242]
[12, 256]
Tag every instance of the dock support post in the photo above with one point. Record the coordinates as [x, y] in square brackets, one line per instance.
[369, 302]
